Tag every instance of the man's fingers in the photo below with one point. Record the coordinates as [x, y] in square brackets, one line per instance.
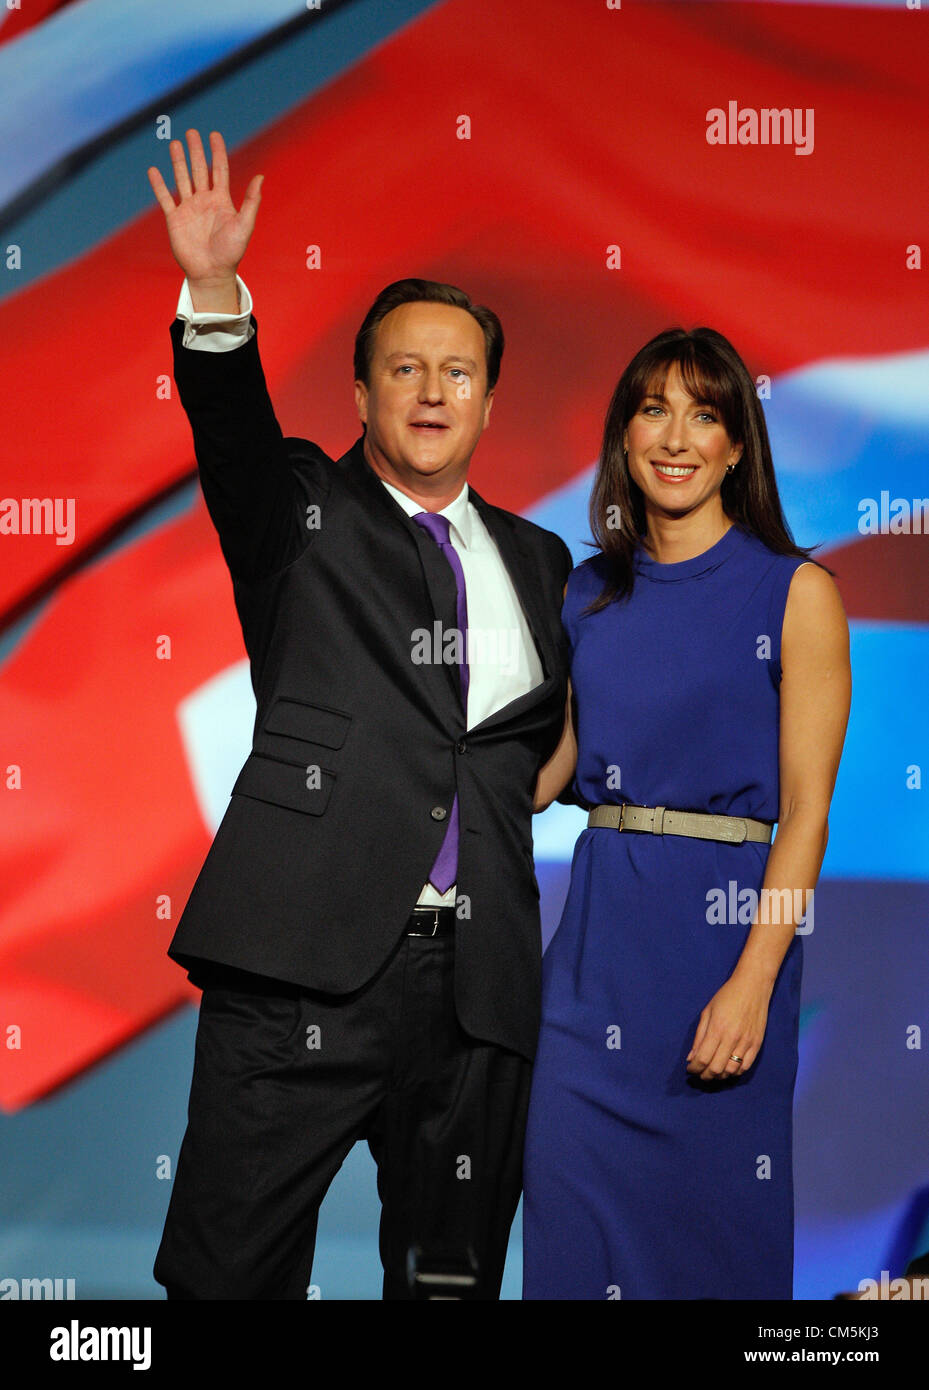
[179, 165]
[198, 166]
[220, 160]
[161, 191]
[249, 209]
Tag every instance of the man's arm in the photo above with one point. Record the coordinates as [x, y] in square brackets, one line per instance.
[567, 564]
[248, 484]
[209, 331]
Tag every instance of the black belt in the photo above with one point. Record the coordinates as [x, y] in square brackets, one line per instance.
[431, 921]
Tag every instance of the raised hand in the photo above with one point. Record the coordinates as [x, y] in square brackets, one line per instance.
[208, 236]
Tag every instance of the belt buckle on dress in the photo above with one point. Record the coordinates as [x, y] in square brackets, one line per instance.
[622, 813]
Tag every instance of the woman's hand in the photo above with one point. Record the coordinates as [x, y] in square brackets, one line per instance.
[732, 1025]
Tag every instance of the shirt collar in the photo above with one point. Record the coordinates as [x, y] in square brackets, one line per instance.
[458, 511]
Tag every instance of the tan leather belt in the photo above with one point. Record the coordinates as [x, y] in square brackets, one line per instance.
[658, 820]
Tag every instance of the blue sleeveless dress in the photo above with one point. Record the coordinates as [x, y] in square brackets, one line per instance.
[641, 1181]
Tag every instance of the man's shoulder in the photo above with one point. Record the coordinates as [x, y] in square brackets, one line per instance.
[309, 462]
[529, 532]
[307, 451]
[346, 476]
[548, 546]
[313, 456]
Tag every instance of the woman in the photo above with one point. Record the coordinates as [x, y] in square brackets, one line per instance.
[710, 674]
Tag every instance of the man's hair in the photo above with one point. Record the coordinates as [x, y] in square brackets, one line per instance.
[430, 292]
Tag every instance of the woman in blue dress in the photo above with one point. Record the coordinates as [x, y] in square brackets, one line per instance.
[711, 690]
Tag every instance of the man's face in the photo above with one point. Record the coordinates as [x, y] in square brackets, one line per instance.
[426, 403]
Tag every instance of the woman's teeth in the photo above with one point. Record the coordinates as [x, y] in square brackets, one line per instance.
[674, 472]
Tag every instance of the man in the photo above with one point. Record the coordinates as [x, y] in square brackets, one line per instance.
[365, 927]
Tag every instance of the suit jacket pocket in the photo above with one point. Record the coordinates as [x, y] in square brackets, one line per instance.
[297, 786]
[308, 723]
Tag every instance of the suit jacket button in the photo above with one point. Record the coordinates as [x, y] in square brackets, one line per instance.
[462, 746]
[438, 813]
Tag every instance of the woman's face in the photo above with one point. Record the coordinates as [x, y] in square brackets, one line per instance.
[678, 449]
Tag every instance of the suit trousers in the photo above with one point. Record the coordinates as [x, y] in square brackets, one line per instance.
[286, 1080]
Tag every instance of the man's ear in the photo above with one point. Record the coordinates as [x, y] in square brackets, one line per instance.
[488, 402]
[361, 401]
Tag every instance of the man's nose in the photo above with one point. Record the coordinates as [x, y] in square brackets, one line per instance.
[431, 390]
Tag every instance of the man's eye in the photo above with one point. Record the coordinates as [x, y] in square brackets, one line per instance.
[459, 371]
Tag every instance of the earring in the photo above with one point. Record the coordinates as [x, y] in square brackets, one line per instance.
[730, 467]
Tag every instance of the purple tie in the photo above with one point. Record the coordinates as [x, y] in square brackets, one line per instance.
[445, 869]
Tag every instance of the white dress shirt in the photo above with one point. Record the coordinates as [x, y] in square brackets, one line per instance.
[502, 658]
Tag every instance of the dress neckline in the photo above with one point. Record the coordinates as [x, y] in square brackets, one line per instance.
[704, 563]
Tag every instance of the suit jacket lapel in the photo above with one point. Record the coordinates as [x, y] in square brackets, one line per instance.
[436, 571]
[521, 566]
[440, 580]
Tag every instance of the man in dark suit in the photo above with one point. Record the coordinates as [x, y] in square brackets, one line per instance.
[365, 927]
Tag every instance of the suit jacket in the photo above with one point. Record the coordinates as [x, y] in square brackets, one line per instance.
[338, 813]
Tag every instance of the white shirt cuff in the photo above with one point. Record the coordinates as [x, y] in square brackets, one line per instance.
[208, 331]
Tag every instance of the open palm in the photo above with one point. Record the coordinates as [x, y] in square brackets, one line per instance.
[208, 236]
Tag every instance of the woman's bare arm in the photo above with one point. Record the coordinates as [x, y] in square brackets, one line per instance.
[815, 696]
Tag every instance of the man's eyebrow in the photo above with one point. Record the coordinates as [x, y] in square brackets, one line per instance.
[452, 357]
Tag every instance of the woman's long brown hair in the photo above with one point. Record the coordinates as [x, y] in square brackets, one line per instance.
[715, 375]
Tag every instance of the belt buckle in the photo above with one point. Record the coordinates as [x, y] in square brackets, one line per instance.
[622, 815]
[435, 922]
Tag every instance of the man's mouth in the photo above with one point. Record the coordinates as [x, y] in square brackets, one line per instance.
[427, 425]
